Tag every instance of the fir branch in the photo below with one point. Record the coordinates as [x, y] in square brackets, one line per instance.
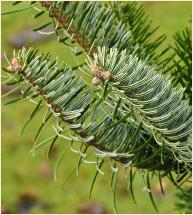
[91, 24]
[127, 114]
[159, 106]
[137, 21]
[64, 23]
[77, 104]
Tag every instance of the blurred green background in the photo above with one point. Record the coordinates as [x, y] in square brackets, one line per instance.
[27, 182]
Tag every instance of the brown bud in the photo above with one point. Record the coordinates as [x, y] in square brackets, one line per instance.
[15, 65]
[96, 81]
[14, 61]
[106, 75]
[95, 69]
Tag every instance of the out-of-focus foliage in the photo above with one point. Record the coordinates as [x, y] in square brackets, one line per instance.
[184, 201]
[182, 72]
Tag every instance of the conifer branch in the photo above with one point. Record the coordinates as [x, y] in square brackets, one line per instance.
[74, 102]
[129, 112]
[64, 23]
[159, 106]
